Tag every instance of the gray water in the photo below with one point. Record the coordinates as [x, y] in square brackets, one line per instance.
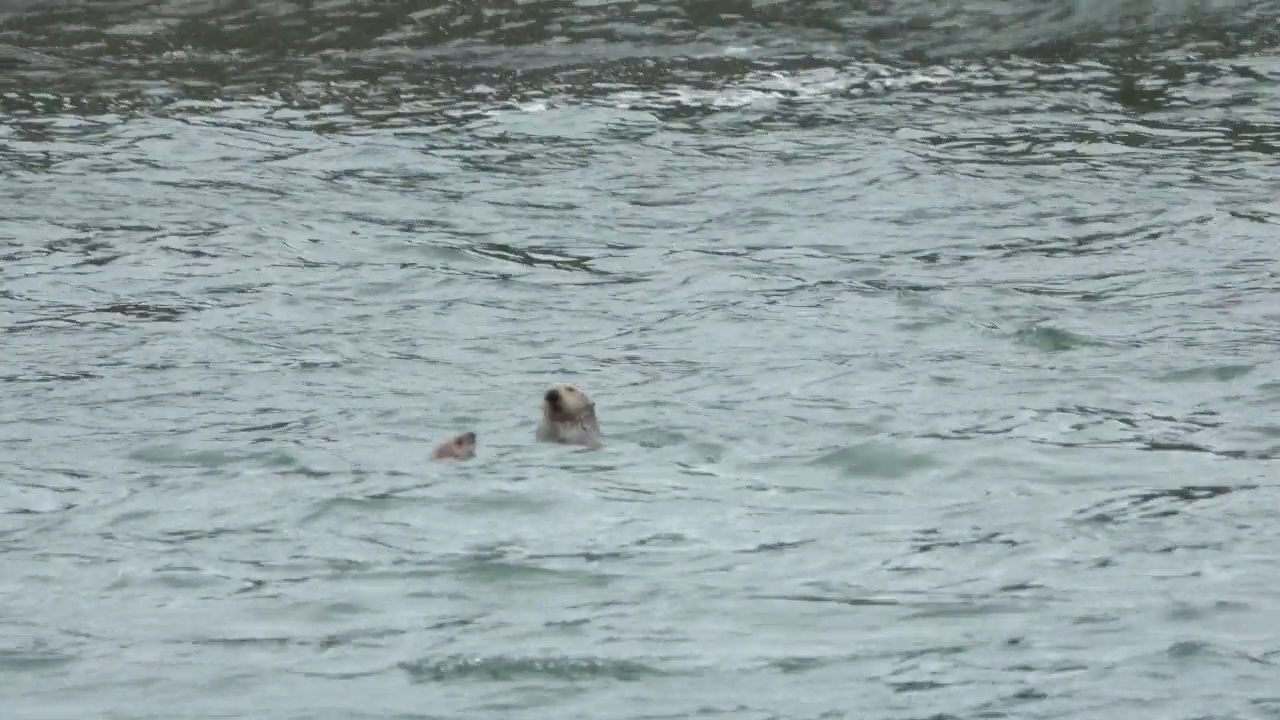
[934, 344]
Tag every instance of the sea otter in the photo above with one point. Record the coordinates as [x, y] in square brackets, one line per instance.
[458, 447]
[569, 417]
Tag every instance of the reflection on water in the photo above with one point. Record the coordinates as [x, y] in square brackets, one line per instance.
[932, 344]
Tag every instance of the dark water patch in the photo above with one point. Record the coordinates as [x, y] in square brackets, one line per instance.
[507, 668]
[876, 460]
[800, 664]
[501, 500]
[926, 543]
[1183, 446]
[44, 509]
[1197, 652]
[1155, 503]
[512, 571]
[664, 540]
[585, 556]
[174, 578]
[223, 186]
[73, 475]
[1051, 339]
[1217, 373]
[34, 660]
[181, 537]
[972, 608]
[1257, 216]
[264, 641]
[50, 377]
[835, 600]
[914, 686]
[282, 425]
[142, 311]
[778, 546]
[536, 257]
[1190, 611]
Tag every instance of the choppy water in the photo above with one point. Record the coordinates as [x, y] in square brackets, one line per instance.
[935, 345]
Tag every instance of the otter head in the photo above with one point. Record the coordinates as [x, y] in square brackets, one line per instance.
[569, 416]
[458, 447]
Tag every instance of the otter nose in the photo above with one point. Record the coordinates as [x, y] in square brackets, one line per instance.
[553, 397]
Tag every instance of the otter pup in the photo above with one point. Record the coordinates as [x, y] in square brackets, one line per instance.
[569, 417]
[458, 447]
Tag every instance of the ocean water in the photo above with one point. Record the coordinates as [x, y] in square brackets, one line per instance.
[934, 345]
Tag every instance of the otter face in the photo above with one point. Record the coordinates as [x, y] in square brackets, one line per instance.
[458, 447]
[568, 416]
[565, 403]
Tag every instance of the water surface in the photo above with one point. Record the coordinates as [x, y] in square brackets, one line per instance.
[934, 343]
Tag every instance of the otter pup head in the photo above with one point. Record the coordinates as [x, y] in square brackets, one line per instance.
[458, 447]
[569, 417]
